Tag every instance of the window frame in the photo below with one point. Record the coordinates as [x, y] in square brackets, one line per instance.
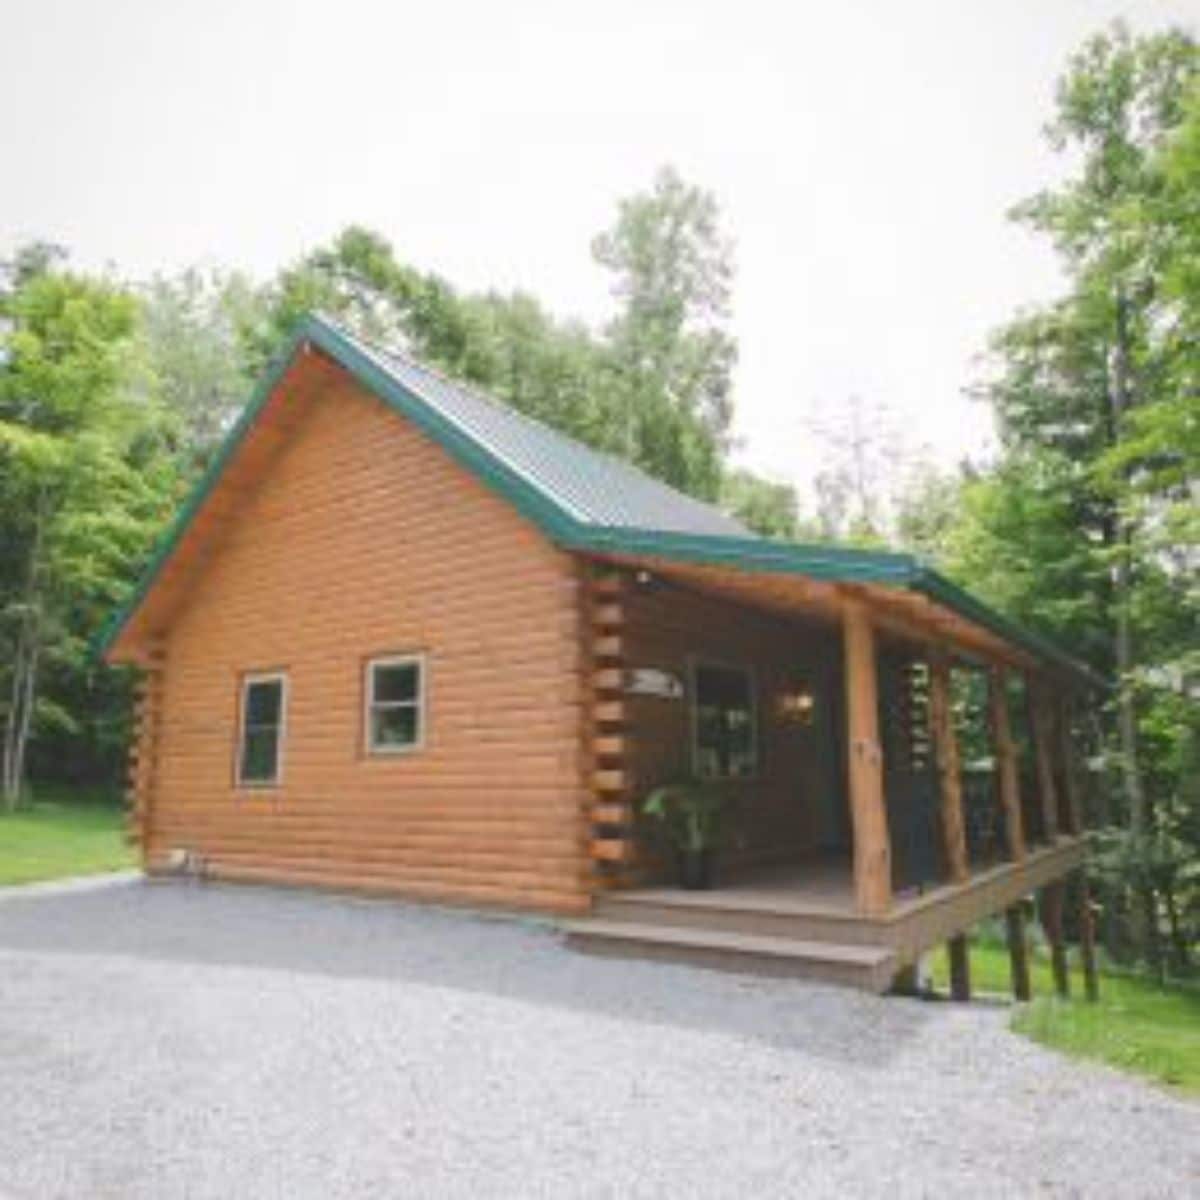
[696, 664]
[417, 659]
[248, 680]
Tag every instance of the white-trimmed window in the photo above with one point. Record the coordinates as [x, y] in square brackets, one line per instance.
[724, 725]
[394, 709]
[261, 728]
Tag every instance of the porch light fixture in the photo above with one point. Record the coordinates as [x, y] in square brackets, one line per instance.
[796, 706]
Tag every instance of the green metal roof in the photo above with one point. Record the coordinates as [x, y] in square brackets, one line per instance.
[581, 499]
[592, 488]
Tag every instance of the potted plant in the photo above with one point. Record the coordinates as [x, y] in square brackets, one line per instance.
[690, 815]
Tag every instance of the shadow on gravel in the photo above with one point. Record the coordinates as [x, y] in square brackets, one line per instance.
[523, 960]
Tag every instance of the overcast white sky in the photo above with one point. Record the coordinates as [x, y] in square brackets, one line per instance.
[864, 153]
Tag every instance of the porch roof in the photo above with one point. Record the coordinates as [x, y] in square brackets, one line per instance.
[583, 500]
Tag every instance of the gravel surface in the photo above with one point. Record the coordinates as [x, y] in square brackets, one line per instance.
[174, 1039]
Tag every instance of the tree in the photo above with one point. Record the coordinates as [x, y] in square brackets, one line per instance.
[865, 459]
[1082, 529]
[655, 388]
[78, 489]
[672, 353]
[770, 509]
[928, 506]
[190, 327]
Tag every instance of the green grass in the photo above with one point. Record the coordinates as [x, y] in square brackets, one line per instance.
[62, 833]
[1137, 1025]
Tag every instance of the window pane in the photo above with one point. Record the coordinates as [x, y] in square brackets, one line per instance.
[264, 699]
[391, 727]
[724, 710]
[722, 687]
[395, 681]
[260, 753]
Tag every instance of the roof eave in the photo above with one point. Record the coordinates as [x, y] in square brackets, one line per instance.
[833, 564]
[821, 562]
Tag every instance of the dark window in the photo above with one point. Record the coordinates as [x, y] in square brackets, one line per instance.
[395, 700]
[723, 703]
[261, 741]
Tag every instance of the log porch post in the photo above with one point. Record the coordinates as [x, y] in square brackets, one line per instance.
[872, 844]
[1006, 763]
[954, 836]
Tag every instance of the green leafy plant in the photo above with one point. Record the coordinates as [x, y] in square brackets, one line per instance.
[691, 814]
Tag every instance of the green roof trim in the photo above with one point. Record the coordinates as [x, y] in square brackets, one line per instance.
[507, 452]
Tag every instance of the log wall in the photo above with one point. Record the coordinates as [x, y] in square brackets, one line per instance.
[783, 813]
[364, 539]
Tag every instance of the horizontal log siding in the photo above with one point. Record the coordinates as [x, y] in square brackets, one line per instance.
[777, 815]
[365, 539]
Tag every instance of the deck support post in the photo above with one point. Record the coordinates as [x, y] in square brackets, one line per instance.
[954, 836]
[1087, 939]
[1051, 906]
[872, 843]
[1018, 951]
[1006, 763]
[959, 954]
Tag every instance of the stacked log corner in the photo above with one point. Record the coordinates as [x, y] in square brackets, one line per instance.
[143, 752]
[611, 816]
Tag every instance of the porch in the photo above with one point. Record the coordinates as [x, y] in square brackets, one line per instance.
[803, 920]
[913, 772]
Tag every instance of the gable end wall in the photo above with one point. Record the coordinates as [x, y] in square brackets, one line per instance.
[363, 539]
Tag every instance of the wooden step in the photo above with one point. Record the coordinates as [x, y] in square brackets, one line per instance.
[716, 910]
[870, 968]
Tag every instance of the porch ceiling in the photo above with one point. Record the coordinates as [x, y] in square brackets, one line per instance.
[899, 614]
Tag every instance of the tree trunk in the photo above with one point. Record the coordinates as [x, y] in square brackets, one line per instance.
[1180, 950]
[26, 653]
[1120, 399]
[20, 711]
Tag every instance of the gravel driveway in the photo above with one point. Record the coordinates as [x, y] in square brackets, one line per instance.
[175, 1039]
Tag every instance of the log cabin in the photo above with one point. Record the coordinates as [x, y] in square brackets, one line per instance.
[403, 639]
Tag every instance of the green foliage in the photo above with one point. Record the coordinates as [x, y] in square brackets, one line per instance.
[1087, 528]
[1016, 540]
[690, 814]
[190, 332]
[673, 357]
[81, 490]
[770, 509]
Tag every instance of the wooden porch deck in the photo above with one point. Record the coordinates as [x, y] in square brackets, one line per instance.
[801, 920]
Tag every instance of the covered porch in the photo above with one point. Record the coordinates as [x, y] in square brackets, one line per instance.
[940, 781]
